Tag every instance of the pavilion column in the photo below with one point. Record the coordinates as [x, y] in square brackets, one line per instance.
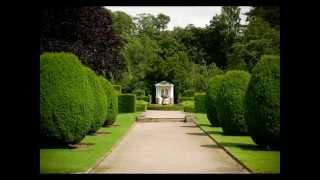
[171, 95]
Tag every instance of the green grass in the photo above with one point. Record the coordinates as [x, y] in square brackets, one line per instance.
[243, 147]
[61, 160]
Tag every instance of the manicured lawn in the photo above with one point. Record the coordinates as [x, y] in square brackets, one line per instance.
[59, 160]
[242, 147]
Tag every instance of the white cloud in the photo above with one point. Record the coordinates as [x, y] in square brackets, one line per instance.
[180, 16]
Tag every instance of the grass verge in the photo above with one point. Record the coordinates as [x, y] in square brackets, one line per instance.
[64, 160]
[243, 148]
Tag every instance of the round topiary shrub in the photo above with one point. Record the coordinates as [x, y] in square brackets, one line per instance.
[231, 99]
[212, 94]
[100, 101]
[263, 102]
[112, 101]
[66, 99]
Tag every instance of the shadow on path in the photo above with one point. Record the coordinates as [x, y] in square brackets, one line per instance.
[197, 134]
[190, 126]
[251, 147]
[205, 125]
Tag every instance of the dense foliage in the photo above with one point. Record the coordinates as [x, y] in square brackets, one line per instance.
[117, 88]
[127, 103]
[263, 102]
[189, 56]
[231, 102]
[212, 94]
[141, 105]
[200, 102]
[87, 32]
[112, 101]
[67, 107]
[188, 106]
[188, 93]
[100, 101]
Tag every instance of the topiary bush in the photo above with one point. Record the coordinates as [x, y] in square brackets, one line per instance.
[200, 104]
[141, 105]
[231, 99]
[263, 102]
[188, 93]
[112, 101]
[127, 103]
[212, 94]
[188, 106]
[100, 101]
[66, 99]
[117, 88]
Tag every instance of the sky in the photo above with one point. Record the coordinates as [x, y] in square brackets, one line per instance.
[181, 16]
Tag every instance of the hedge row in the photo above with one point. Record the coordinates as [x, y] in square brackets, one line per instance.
[141, 105]
[182, 99]
[169, 107]
[145, 98]
[139, 92]
[200, 103]
[188, 93]
[188, 106]
[212, 94]
[242, 103]
[263, 102]
[100, 101]
[117, 88]
[112, 104]
[127, 103]
[72, 99]
[230, 103]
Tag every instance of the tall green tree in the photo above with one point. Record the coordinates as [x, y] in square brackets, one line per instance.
[260, 37]
[223, 31]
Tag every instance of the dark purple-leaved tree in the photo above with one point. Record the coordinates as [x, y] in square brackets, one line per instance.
[86, 32]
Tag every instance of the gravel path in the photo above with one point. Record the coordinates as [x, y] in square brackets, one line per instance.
[167, 147]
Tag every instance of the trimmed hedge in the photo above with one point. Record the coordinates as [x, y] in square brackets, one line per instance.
[139, 92]
[66, 99]
[200, 103]
[112, 101]
[100, 101]
[127, 103]
[145, 98]
[188, 106]
[182, 99]
[117, 88]
[231, 99]
[263, 102]
[169, 107]
[188, 93]
[212, 93]
[141, 105]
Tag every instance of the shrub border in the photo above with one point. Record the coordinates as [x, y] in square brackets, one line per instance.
[229, 153]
